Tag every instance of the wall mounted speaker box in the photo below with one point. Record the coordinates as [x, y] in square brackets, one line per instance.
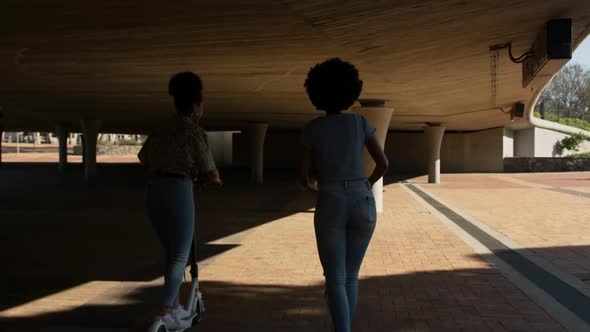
[551, 51]
[518, 110]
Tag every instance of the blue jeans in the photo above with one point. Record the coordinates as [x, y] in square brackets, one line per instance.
[172, 212]
[345, 219]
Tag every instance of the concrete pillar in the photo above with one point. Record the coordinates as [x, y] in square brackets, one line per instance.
[256, 133]
[379, 116]
[434, 136]
[73, 139]
[90, 131]
[62, 137]
[221, 145]
[1, 142]
[17, 138]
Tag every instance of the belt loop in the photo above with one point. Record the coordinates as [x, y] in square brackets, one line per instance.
[345, 184]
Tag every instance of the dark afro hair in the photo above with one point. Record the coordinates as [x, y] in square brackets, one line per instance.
[186, 88]
[333, 85]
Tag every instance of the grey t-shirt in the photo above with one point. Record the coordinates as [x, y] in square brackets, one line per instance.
[337, 143]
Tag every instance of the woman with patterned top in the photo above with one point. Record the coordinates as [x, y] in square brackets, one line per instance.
[176, 154]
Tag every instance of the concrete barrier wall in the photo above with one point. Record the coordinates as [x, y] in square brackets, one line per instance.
[484, 151]
[508, 143]
[528, 164]
[481, 151]
[280, 149]
[221, 145]
[524, 143]
[542, 143]
[407, 152]
[546, 144]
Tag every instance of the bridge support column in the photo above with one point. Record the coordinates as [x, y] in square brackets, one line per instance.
[73, 138]
[36, 138]
[256, 133]
[434, 136]
[379, 116]
[62, 137]
[1, 141]
[90, 130]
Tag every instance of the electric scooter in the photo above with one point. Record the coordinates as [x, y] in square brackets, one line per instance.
[195, 303]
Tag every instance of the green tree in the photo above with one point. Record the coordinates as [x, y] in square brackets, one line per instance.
[568, 94]
[571, 143]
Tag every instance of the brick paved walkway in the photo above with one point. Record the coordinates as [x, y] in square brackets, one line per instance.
[91, 261]
[528, 209]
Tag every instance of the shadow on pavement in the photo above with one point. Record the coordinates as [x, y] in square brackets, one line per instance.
[59, 232]
[467, 300]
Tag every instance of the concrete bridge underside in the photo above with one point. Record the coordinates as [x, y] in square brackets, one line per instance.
[63, 61]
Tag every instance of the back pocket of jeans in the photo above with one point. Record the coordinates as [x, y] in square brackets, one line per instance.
[371, 210]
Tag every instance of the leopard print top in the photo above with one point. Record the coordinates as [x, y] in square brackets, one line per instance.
[177, 146]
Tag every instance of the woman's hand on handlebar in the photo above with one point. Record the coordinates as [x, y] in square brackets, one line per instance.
[209, 180]
[214, 178]
[308, 185]
[215, 182]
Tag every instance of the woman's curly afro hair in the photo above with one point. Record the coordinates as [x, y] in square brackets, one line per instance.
[186, 88]
[333, 85]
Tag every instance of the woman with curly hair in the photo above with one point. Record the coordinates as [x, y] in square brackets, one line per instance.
[176, 154]
[345, 214]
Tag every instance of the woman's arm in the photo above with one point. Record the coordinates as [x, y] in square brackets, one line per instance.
[214, 177]
[303, 180]
[212, 172]
[378, 155]
[204, 166]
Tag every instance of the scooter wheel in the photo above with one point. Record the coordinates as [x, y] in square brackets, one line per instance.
[157, 326]
[199, 315]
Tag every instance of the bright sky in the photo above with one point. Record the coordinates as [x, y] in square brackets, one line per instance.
[582, 53]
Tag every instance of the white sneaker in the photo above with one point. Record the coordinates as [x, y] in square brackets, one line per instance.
[173, 323]
[181, 313]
